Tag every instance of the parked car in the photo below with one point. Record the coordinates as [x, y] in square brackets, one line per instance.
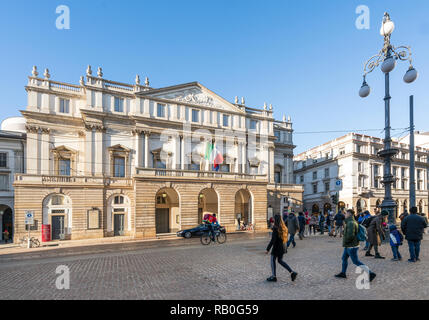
[196, 232]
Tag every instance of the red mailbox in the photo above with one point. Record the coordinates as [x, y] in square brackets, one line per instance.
[46, 232]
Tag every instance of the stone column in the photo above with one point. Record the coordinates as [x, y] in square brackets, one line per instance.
[45, 151]
[98, 155]
[243, 157]
[146, 149]
[89, 159]
[182, 152]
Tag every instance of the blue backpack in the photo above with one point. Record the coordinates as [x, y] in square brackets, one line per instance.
[362, 234]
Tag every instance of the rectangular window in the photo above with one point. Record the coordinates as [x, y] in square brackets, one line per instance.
[277, 177]
[276, 133]
[119, 167]
[327, 187]
[358, 148]
[360, 167]
[314, 175]
[195, 115]
[342, 151]
[253, 125]
[64, 167]
[4, 182]
[64, 105]
[178, 112]
[315, 188]
[3, 160]
[326, 172]
[224, 168]
[160, 110]
[119, 104]
[225, 120]
[301, 179]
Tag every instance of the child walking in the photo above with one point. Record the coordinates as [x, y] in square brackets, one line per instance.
[396, 239]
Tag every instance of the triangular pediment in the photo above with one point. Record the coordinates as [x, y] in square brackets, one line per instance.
[196, 94]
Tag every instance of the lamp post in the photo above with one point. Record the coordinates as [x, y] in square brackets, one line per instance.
[388, 56]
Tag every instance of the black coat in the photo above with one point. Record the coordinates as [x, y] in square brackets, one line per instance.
[277, 244]
[413, 227]
[302, 222]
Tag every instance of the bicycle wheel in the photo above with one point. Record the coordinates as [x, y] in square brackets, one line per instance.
[35, 243]
[205, 239]
[221, 238]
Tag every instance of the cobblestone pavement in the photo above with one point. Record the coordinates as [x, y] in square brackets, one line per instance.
[235, 270]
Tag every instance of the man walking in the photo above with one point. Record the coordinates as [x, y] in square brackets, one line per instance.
[413, 227]
[339, 221]
[351, 246]
[376, 234]
[322, 223]
[302, 223]
[292, 225]
[364, 220]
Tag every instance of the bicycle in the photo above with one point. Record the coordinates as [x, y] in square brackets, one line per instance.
[34, 242]
[219, 236]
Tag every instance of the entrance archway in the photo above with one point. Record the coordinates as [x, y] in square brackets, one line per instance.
[243, 206]
[207, 203]
[6, 221]
[167, 211]
[118, 215]
[315, 208]
[57, 212]
[360, 205]
[327, 207]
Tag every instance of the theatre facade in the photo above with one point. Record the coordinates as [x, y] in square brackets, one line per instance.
[105, 158]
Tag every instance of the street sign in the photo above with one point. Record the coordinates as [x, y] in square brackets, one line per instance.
[338, 184]
[29, 217]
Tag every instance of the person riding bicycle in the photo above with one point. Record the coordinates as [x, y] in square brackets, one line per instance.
[211, 222]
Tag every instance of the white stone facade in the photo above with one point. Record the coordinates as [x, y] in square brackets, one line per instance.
[353, 159]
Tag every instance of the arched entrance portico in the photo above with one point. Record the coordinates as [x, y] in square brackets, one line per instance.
[167, 211]
[207, 203]
[118, 215]
[6, 221]
[243, 206]
[57, 212]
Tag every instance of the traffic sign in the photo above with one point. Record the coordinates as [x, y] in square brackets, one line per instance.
[29, 217]
[338, 184]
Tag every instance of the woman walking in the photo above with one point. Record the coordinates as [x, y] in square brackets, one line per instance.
[277, 243]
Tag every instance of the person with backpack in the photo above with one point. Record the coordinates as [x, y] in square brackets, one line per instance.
[363, 220]
[352, 234]
[396, 239]
[375, 234]
[413, 227]
[277, 243]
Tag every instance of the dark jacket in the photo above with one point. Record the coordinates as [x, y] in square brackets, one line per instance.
[339, 219]
[375, 230]
[301, 222]
[351, 229]
[277, 244]
[413, 226]
[292, 224]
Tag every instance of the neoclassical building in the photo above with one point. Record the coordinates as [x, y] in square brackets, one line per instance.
[353, 159]
[105, 158]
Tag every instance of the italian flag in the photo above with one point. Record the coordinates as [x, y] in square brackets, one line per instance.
[213, 155]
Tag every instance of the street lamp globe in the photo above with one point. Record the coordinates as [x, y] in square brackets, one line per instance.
[387, 26]
[388, 65]
[410, 75]
[364, 90]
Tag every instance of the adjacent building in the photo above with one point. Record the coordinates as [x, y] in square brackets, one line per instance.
[12, 147]
[353, 159]
[105, 158]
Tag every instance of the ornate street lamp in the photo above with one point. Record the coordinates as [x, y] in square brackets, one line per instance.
[388, 56]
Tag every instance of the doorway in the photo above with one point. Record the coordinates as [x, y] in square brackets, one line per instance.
[57, 227]
[162, 220]
[118, 224]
